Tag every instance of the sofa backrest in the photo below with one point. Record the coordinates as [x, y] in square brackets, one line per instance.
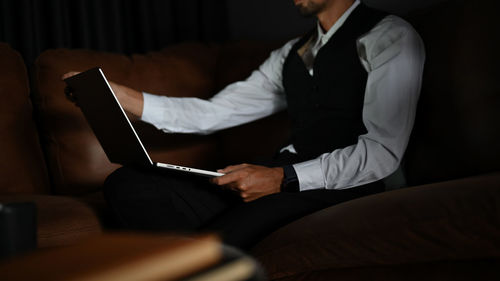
[457, 133]
[22, 167]
[77, 164]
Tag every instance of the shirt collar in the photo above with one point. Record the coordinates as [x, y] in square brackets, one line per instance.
[324, 37]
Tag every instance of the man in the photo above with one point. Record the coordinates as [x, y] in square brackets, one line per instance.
[351, 87]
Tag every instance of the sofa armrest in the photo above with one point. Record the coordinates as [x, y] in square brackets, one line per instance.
[453, 220]
[22, 169]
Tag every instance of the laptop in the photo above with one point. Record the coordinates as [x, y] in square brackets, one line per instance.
[91, 91]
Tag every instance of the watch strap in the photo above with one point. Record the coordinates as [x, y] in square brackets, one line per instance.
[290, 180]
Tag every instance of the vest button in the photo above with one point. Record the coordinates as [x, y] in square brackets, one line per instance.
[315, 88]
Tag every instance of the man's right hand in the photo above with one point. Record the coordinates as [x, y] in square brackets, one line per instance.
[131, 100]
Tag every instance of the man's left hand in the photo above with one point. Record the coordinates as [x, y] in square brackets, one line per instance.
[251, 181]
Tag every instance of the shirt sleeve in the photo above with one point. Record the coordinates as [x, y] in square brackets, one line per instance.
[260, 95]
[393, 54]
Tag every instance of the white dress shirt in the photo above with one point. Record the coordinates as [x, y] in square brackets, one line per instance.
[393, 55]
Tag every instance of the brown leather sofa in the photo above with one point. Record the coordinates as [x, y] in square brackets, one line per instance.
[445, 226]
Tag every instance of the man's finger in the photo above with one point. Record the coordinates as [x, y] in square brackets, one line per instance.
[227, 178]
[247, 197]
[232, 168]
[69, 74]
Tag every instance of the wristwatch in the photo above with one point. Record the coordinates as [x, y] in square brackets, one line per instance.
[290, 180]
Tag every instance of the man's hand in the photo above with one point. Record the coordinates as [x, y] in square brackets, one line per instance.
[131, 100]
[251, 181]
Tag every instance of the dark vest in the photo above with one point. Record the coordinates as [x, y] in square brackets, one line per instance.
[326, 109]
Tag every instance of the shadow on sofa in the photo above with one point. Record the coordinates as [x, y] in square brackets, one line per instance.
[447, 225]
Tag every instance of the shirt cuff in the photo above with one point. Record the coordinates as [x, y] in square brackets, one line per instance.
[152, 111]
[310, 175]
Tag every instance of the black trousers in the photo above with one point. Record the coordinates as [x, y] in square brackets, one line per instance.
[169, 201]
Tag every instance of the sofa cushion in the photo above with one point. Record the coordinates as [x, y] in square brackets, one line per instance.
[453, 220]
[22, 169]
[456, 132]
[456, 270]
[76, 161]
[60, 220]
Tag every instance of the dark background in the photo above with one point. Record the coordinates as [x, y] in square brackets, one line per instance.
[138, 26]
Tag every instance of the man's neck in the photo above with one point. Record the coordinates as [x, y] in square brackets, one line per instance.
[332, 12]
